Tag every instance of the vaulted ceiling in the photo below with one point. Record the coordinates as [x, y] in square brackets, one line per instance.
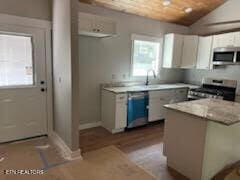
[173, 11]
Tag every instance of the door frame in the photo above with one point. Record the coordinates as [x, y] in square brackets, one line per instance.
[47, 27]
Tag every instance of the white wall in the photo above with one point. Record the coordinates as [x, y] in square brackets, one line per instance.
[227, 12]
[64, 115]
[40, 9]
[100, 58]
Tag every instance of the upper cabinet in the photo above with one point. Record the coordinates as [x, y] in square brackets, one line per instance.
[237, 39]
[96, 26]
[204, 54]
[180, 51]
[189, 52]
[172, 50]
[226, 40]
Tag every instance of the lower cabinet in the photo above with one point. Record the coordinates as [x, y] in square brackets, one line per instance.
[114, 107]
[114, 111]
[157, 99]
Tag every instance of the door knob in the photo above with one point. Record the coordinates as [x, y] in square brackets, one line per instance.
[42, 82]
[42, 89]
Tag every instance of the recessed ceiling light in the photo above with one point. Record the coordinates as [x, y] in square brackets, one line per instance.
[188, 10]
[166, 2]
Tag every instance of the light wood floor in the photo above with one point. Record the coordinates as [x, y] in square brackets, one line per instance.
[143, 146]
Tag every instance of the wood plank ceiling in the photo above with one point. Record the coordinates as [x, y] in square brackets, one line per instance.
[154, 9]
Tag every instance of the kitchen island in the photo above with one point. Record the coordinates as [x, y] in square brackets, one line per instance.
[202, 137]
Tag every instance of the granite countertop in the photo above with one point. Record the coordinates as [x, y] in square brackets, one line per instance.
[154, 87]
[220, 111]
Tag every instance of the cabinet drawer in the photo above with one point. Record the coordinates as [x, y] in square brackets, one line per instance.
[156, 111]
[163, 95]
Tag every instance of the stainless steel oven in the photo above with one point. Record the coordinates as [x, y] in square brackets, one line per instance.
[225, 56]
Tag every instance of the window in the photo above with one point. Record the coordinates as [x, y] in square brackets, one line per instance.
[145, 55]
[16, 60]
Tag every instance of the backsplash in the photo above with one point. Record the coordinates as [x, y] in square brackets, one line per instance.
[194, 76]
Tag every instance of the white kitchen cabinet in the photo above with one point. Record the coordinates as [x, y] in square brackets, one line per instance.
[189, 52]
[114, 111]
[172, 50]
[204, 54]
[114, 106]
[226, 40]
[157, 99]
[237, 39]
[223, 40]
[180, 51]
[96, 26]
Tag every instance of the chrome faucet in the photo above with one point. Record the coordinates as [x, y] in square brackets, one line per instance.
[147, 79]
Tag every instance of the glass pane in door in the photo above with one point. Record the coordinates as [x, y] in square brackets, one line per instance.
[16, 60]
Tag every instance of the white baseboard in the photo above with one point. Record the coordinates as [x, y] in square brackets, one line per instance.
[114, 131]
[65, 151]
[90, 125]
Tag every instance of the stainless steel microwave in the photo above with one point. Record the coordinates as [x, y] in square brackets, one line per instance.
[225, 56]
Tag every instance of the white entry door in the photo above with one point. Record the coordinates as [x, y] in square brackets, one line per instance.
[23, 97]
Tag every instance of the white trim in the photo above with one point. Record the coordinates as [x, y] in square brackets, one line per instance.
[24, 21]
[114, 131]
[65, 151]
[48, 51]
[149, 39]
[90, 125]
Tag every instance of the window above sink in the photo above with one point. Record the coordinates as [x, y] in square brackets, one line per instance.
[145, 55]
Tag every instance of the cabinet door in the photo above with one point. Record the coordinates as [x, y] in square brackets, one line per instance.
[121, 115]
[172, 50]
[177, 50]
[156, 110]
[204, 52]
[237, 39]
[223, 40]
[121, 111]
[189, 52]
[157, 100]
